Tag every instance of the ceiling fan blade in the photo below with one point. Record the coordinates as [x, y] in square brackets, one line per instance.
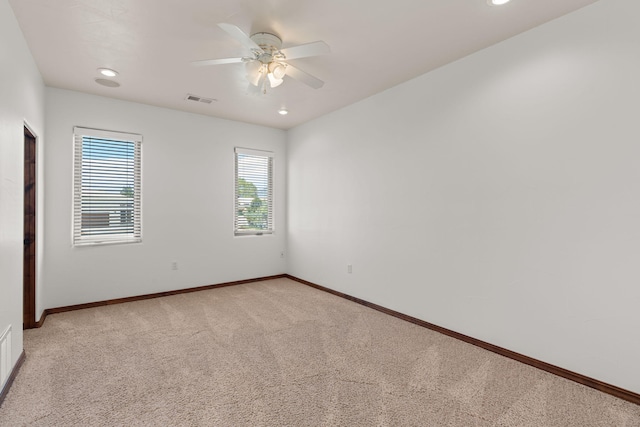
[305, 50]
[240, 36]
[218, 61]
[304, 77]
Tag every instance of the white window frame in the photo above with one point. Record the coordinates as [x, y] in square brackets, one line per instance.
[237, 226]
[81, 235]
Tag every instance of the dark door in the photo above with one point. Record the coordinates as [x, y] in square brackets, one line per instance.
[29, 273]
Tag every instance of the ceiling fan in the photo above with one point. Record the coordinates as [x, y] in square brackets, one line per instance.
[266, 65]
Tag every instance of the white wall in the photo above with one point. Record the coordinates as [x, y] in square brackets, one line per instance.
[21, 101]
[187, 206]
[498, 196]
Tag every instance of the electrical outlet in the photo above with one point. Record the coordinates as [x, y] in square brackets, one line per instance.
[349, 268]
[174, 265]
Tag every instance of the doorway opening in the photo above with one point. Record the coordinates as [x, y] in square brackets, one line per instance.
[29, 258]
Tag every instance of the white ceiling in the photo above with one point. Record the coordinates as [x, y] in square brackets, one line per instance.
[375, 45]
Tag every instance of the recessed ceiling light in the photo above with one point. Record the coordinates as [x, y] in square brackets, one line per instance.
[497, 2]
[107, 72]
[107, 82]
[283, 111]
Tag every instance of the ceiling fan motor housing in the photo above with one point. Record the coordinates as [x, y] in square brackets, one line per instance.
[270, 44]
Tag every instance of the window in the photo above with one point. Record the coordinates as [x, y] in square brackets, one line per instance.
[253, 192]
[106, 187]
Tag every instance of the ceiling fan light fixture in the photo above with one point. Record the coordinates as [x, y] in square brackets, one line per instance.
[254, 72]
[253, 79]
[278, 69]
[275, 82]
[262, 82]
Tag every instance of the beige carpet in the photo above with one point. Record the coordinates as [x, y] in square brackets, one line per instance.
[278, 353]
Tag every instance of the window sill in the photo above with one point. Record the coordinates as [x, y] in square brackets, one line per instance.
[105, 243]
[253, 233]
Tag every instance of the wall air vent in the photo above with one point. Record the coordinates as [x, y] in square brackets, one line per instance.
[199, 99]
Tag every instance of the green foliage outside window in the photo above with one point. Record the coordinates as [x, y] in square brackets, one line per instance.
[256, 212]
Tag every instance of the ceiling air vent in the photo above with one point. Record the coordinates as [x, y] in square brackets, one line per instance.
[199, 99]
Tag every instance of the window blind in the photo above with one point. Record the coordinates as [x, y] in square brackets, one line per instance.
[107, 187]
[253, 192]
